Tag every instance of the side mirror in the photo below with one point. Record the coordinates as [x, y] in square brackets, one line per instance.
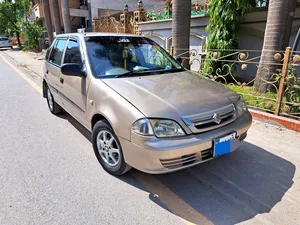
[72, 69]
[179, 59]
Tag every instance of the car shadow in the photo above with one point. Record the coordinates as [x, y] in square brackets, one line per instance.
[86, 133]
[227, 190]
[4, 49]
[230, 189]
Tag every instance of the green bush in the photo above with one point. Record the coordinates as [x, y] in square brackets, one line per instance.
[32, 32]
[225, 17]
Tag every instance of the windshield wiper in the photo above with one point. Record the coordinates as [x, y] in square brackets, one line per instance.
[158, 69]
[130, 73]
[136, 72]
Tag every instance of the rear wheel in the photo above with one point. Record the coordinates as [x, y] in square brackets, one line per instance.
[108, 150]
[53, 106]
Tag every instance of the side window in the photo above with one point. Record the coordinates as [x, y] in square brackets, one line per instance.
[57, 52]
[49, 49]
[72, 54]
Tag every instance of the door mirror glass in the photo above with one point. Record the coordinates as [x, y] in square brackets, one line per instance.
[72, 69]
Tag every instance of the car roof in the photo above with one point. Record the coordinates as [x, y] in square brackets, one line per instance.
[98, 34]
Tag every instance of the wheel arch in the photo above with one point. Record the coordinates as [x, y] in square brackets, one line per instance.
[97, 117]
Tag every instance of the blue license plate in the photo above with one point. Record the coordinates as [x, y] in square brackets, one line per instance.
[223, 145]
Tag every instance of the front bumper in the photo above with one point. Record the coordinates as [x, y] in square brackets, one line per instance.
[6, 46]
[163, 155]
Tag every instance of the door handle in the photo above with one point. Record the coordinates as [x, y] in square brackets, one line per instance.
[61, 80]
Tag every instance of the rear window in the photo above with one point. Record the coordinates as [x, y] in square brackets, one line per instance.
[3, 39]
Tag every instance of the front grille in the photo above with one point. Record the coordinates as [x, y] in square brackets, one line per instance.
[207, 154]
[179, 162]
[225, 119]
[211, 120]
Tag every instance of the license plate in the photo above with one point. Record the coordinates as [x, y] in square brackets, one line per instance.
[223, 145]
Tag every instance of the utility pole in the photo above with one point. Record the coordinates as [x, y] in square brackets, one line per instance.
[90, 16]
[48, 22]
[56, 14]
[66, 15]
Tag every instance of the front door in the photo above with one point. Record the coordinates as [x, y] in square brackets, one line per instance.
[52, 70]
[75, 88]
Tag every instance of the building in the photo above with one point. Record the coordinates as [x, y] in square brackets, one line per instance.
[78, 12]
[103, 8]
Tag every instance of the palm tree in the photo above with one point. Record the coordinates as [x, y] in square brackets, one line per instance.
[56, 15]
[48, 22]
[181, 26]
[277, 36]
[66, 15]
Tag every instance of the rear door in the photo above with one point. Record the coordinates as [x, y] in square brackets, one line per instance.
[52, 70]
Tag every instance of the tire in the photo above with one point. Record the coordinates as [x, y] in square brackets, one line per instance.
[108, 150]
[11, 47]
[52, 105]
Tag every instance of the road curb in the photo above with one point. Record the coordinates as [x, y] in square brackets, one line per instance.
[22, 65]
[276, 120]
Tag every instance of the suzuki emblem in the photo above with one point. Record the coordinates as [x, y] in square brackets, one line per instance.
[217, 119]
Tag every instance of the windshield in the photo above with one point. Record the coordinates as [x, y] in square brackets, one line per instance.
[116, 56]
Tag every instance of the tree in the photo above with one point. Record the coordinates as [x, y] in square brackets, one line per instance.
[10, 14]
[32, 31]
[56, 15]
[2, 30]
[48, 21]
[277, 36]
[181, 26]
[225, 19]
[66, 15]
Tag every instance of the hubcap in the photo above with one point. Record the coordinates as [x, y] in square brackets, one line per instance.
[50, 99]
[108, 148]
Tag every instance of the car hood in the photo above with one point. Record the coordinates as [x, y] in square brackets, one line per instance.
[180, 93]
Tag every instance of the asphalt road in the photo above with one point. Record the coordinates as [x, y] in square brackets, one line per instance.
[49, 174]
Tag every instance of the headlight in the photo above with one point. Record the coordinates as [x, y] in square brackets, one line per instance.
[143, 127]
[166, 128]
[241, 106]
[161, 128]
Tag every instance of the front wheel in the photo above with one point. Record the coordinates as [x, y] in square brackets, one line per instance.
[108, 150]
